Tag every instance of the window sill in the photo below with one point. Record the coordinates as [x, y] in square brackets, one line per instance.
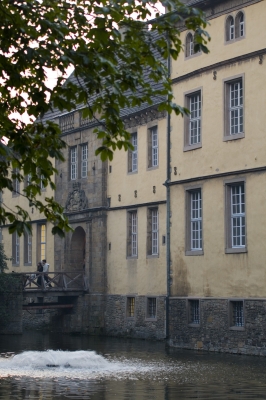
[192, 147]
[194, 325]
[226, 138]
[193, 55]
[230, 41]
[194, 253]
[237, 328]
[152, 255]
[152, 168]
[151, 319]
[27, 264]
[132, 172]
[236, 250]
[130, 318]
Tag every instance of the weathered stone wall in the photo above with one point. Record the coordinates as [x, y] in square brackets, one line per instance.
[118, 324]
[13, 325]
[214, 332]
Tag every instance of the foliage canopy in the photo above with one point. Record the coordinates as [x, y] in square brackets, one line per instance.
[113, 70]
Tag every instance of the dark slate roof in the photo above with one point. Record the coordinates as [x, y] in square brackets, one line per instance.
[156, 100]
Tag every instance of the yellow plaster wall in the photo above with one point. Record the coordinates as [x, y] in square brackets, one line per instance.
[221, 50]
[124, 183]
[216, 155]
[144, 275]
[215, 273]
[36, 216]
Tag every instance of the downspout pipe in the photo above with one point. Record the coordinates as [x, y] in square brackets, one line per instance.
[168, 212]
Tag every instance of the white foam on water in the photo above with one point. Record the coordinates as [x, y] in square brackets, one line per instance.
[72, 365]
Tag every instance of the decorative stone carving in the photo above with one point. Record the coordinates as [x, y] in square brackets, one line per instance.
[77, 199]
[143, 117]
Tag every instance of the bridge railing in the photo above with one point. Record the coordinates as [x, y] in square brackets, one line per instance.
[51, 281]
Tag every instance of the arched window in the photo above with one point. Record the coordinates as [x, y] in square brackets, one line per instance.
[230, 28]
[240, 25]
[189, 45]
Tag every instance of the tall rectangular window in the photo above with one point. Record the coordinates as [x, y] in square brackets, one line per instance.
[133, 154]
[155, 229]
[192, 135]
[73, 163]
[84, 160]
[132, 239]
[238, 220]
[42, 249]
[234, 109]
[196, 220]
[153, 232]
[16, 183]
[194, 245]
[235, 217]
[130, 307]
[15, 249]
[151, 307]
[194, 312]
[153, 149]
[195, 119]
[27, 249]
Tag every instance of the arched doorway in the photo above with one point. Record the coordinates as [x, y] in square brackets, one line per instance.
[77, 249]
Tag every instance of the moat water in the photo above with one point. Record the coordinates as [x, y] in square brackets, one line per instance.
[51, 366]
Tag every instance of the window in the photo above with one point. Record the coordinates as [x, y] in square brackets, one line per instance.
[153, 153]
[194, 222]
[234, 109]
[151, 307]
[236, 314]
[133, 154]
[235, 217]
[84, 160]
[27, 249]
[16, 183]
[27, 180]
[73, 163]
[130, 307]
[15, 249]
[235, 27]
[41, 245]
[189, 45]
[194, 312]
[153, 232]
[132, 241]
[193, 121]
[42, 182]
[240, 25]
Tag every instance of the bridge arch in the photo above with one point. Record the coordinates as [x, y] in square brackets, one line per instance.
[77, 249]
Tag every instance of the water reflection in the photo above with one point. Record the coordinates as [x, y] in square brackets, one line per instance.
[100, 368]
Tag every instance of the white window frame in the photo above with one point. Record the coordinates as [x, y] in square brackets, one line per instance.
[236, 107]
[134, 160]
[238, 216]
[196, 220]
[155, 232]
[195, 118]
[134, 233]
[73, 163]
[154, 146]
[29, 249]
[43, 241]
[84, 160]
[17, 247]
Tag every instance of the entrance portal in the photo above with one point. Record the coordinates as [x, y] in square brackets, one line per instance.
[77, 249]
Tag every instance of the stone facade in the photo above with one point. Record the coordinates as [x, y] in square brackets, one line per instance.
[214, 333]
[118, 324]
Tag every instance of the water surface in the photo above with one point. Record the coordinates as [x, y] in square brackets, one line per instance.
[51, 366]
